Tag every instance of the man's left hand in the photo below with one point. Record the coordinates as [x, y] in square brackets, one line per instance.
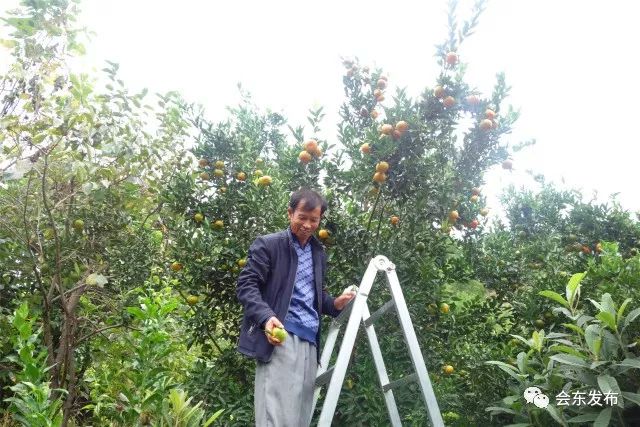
[343, 299]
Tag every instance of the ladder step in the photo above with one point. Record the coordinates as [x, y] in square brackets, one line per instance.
[379, 312]
[398, 383]
[325, 377]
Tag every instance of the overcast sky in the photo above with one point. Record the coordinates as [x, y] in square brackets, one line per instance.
[572, 66]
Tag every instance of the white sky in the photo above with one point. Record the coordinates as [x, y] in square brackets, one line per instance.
[571, 65]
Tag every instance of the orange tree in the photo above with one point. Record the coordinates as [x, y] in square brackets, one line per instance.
[402, 176]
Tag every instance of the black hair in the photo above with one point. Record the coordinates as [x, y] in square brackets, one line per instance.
[312, 199]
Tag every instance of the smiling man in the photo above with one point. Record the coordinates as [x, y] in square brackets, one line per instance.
[282, 286]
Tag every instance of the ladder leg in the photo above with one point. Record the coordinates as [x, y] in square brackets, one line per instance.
[325, 358]
[390, 401]
[414, 349]
[337, 378]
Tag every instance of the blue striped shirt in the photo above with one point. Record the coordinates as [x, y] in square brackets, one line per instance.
[302, 318]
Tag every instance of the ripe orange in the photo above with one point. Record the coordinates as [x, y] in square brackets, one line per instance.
[257, 172]
[323, 234]
[439, 92]
[475, 191]
[381, 84]
[203, 163]
[452, 58]
[599, 247]
[486, 124]
[474, 199]
[242, 262]
[204, 176]
[365, 148]
[265, 180]
[311, 145]
[379, 177]
[241, 176]
[402, 126]
[304, 157]
[317, 152]
[396, 135]
[380, 98]
[449, 101]
[444, 308]
[474, 224]
[447, 369]
[395, 220]
[374, 114]
[176, 266]
[377, 93]
[382, 167]
[386, 129]
[473, 100]
[490, 114]
[453, 216]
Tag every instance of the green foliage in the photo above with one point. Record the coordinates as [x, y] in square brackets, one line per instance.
[33, 404]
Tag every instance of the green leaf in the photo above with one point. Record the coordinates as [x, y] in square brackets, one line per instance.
[632, 363]
[633, 397]
[573, 285]
[554, 296]
[500, 409]
[608, 384]
[553, 411]
[631, 317]
[506, 368]
[584, 418]
[593, 339]
[566, 349]
[603, 418]
[574, 328]
[568, 359]
[608, 319]
[622, 308]
[213, 417]
[608, 305]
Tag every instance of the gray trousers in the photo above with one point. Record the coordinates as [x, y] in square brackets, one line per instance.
[284, 386]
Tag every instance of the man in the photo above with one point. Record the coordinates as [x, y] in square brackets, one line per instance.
[282, 285]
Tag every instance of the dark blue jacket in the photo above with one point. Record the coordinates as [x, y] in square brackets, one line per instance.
[265, 286]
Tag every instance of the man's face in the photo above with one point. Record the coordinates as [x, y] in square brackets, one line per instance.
[304, 223]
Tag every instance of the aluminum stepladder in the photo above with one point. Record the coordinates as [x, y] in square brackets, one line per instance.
[357, 311]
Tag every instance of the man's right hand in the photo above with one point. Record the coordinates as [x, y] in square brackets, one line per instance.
[273, 322]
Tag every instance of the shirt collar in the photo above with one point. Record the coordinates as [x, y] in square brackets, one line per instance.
[295, 240]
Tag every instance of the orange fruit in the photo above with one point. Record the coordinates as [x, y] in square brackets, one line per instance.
[311, 145]
[475, 191]
[365, 148]
[257, 172]
[379, 177]
[265, 180]
[386, 129]
[218, 224]
[474, 199]
[473, 100]
[242, 262]
[402, 126]
[452, 58]
[176, 266]
[395, 219]
[218, 173]
[444, 308]
[381, 84]
[304, 157]
[204, 176]
[486, 124]
[192, 299]
[374, 114]
[490, 114]
[323, 234]
[198, 217]
[449, 101]
[377, 93]
[382, 167]
[203, 163]
[439, 92]
[447, 369]
[453, 216]
[219, 164]
[241, 176]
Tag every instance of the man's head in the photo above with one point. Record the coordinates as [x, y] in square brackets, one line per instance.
[306, 208]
